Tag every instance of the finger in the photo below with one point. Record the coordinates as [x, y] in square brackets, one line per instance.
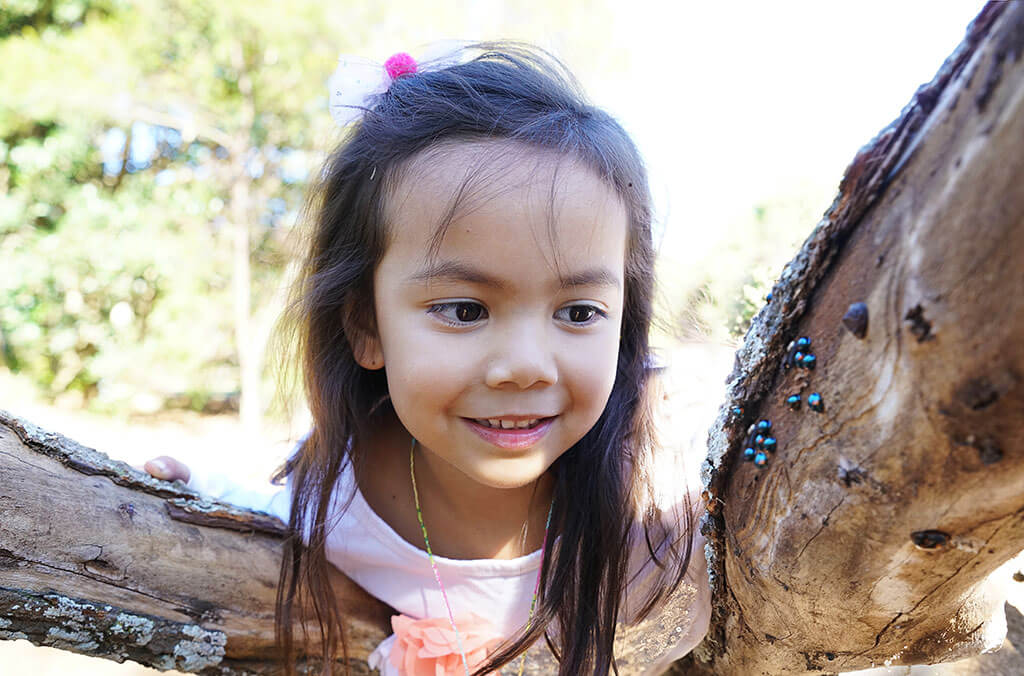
[167, 468]
[158, 468]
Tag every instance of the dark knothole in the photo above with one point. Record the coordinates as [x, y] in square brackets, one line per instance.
[929, 539]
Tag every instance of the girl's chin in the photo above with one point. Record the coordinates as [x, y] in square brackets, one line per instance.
[510, 473]
[506, 483]
[493, 466]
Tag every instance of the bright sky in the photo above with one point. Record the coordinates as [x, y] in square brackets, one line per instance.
[732, 102]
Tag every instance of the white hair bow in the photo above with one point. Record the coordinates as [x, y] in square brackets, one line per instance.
[357, 83]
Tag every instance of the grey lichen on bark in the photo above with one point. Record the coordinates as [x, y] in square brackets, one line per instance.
[103, 630]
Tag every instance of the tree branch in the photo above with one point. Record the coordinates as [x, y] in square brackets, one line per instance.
[101, 559]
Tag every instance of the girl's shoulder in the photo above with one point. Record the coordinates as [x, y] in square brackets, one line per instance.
[689, 388]
[677, 623]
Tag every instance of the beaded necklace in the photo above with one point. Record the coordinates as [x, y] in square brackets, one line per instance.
[437, 575]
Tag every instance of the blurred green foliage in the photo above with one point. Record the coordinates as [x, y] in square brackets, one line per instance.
[122, 130]
[52, 15]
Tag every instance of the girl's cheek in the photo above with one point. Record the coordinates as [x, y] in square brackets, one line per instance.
[593, 368]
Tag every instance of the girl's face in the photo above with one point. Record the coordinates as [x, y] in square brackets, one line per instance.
[501, 350]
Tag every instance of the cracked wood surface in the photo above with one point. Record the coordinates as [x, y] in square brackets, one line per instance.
[868, 536]
[101, 559]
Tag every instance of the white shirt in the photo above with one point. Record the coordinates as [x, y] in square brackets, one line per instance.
[371, 553]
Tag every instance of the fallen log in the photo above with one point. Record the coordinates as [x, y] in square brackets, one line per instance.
[104, 560]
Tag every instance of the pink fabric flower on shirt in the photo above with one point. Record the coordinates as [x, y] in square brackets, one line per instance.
[428, 647]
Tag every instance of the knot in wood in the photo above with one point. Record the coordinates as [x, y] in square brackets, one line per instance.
[919, 326]
[930, 539]
[856, 320]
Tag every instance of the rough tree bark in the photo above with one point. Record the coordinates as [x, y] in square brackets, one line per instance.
[866, 538]
[101, 559]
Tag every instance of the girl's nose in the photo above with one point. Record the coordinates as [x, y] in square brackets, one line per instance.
[522, 358]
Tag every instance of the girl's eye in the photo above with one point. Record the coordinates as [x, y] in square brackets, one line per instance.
[580, 315]
[456, 314]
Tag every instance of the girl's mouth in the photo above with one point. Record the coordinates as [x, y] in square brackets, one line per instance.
[511, 434]
[504, 424]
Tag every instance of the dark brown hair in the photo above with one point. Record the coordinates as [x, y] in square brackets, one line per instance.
[521, 94]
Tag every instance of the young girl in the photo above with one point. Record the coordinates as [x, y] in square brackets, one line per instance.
[473, 317]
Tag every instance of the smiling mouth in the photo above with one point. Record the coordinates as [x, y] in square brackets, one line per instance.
[506, 424]
[510, 434]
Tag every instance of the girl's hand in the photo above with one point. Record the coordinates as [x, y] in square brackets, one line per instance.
[167, 468]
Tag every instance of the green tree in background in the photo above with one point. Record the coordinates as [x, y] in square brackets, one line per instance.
[722, 297]
[153, 157]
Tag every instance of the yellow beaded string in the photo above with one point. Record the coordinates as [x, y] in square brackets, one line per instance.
[437, 574]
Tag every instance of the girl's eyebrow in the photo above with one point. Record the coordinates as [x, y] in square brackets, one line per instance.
[457, 271]
[596, 276]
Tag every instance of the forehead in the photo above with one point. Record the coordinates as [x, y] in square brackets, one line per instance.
[506, 202]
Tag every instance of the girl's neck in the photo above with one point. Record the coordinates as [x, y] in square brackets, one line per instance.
[465, 519]
[480, 521]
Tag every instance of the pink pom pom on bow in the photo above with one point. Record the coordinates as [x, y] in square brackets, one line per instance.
[400, 64]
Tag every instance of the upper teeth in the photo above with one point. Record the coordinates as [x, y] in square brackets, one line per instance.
[508, 424]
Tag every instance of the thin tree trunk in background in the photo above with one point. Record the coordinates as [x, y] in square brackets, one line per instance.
[249, 360]
[867, 538]
[248, 363]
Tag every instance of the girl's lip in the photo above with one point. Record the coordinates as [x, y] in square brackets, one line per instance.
[513, 438]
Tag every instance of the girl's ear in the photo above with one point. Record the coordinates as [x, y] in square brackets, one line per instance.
[361, 332]
[367, 351]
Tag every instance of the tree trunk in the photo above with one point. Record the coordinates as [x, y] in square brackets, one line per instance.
[250, 405]
[867, 536]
